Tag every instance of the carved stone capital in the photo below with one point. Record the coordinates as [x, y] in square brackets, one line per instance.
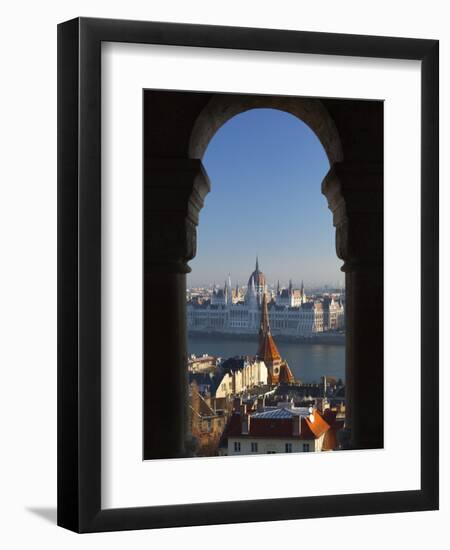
[355, 197]
[174, 192]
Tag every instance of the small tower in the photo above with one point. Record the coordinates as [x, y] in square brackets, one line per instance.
[225, 293]
[251, 297]
[267, 349]
[302, 294]
[237, 294]
[228, 291]
[279, 370]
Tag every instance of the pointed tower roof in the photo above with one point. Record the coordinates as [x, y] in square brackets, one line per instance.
[264, 326]
[267, 349]
[257, 276]
[286, 376]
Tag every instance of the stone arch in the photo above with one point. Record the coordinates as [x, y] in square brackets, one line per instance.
[223, 107]
[177, 129]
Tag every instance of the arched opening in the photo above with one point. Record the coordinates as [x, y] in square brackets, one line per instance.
[177, 129]
[223, 107]
[266, 167]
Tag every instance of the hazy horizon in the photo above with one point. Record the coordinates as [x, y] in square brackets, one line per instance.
[266, 168]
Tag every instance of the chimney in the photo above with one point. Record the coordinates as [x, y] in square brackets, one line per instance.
[245, 430]
[296, 425]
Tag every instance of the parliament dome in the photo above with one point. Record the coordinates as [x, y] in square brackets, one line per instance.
[258, 277]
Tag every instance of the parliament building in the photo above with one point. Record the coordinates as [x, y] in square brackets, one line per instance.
[290, 311]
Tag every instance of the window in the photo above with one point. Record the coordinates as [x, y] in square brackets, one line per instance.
[254, 447]
[288, 448]
[237, 446]
[306, 447]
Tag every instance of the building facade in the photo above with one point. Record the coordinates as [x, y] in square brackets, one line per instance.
[291, 313]
[277, 430]
[253, 373]
[206, 424]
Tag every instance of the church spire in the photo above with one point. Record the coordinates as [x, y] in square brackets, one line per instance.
[264, 327]
[228, 283]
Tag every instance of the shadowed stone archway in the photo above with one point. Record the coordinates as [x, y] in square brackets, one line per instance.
[223, 107]
[177, 129]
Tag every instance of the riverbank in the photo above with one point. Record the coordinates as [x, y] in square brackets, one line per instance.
[307, 359]
[334, 338]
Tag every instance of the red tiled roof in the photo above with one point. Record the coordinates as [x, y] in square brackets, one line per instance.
[270, 427]
[233, 427]
[318, 427]
[286, 376]
[268, 351]
[273, 427]
[330, 440]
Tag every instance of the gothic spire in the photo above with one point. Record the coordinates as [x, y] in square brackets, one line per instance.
[228, 283]
[264, 327]
[267, 349]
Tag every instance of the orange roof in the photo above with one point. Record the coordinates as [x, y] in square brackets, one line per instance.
[268, 351]
[330, 440]
[318, 427]
[286, 375]
[277, 427]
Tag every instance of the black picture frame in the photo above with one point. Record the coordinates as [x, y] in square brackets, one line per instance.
[79, 274]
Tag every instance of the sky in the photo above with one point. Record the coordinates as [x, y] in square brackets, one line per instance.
[266, 168]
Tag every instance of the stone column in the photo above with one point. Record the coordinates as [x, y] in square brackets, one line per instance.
[174, 190]
[355, 197]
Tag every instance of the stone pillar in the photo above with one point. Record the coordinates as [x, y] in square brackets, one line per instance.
[174, 190]
[355, 197]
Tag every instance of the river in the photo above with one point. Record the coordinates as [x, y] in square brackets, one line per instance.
[308, 362]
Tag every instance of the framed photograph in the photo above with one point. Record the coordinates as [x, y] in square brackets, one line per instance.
[247, 276]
